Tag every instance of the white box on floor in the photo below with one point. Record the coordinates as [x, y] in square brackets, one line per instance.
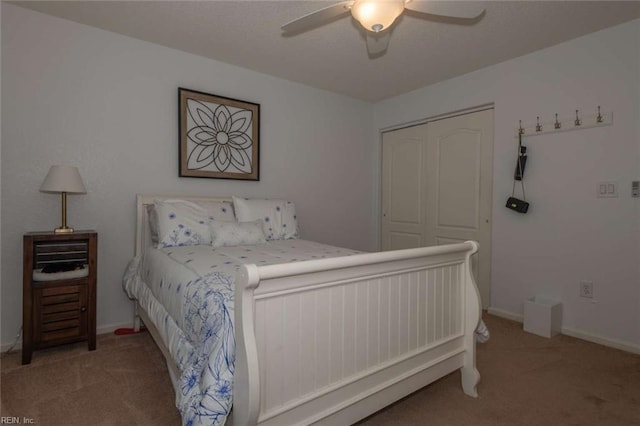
[542, 316]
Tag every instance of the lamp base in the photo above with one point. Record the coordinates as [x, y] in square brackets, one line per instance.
[63, 230]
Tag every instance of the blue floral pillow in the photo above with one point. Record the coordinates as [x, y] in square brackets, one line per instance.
[279, 216]
[182, 223]
[226, 234]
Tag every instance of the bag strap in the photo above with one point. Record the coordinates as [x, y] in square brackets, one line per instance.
[513, 189]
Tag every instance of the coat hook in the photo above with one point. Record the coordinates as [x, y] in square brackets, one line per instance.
[557, 124]
[578, 121]
[538, 125]
[599, 117]
[520, 129]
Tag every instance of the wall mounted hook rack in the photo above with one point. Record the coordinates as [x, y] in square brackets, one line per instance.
[575, 122]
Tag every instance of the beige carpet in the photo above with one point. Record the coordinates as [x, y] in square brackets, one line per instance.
[526, 380]
[530, 380]
[123, 382]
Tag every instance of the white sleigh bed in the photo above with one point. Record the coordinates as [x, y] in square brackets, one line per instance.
[333, 340]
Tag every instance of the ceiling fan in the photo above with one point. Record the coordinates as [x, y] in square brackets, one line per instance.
[377, 16]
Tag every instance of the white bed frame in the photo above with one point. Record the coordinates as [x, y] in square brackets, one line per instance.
[332, 341]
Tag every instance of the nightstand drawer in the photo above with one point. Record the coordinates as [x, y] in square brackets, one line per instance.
[51, 252]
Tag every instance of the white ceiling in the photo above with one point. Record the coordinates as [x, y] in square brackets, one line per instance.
[334, 56]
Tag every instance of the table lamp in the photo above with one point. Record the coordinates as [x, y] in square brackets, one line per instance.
[64, 180]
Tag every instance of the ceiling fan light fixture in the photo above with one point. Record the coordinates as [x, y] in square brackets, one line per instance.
[377, 15]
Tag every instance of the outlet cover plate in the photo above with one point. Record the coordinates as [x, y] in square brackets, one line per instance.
[586, 289]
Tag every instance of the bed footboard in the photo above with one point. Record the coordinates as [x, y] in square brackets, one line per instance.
[335, 340]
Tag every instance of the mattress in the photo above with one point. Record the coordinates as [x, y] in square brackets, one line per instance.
[188, 292]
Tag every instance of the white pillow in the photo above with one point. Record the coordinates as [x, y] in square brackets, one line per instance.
[152, 219]
[218, 210]
[279, 216]
[225, 234]
[289, 221]
[182, 223]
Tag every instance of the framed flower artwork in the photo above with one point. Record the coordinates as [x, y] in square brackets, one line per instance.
[219, 137]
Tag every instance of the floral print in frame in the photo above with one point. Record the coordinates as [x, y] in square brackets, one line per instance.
[219, 136]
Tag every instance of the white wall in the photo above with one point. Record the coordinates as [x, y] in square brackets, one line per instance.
[568, 235]
[108, 104]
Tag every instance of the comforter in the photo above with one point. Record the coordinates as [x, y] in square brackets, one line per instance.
[188, 292]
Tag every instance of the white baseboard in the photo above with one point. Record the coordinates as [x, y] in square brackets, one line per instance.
[505, 314]
[110, 328]
[578, 334]
[105, 329]
[602, 340]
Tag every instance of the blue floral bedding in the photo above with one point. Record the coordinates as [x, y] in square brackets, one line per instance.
[188, 292]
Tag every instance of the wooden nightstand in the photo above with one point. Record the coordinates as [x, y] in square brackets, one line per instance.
[58, 307]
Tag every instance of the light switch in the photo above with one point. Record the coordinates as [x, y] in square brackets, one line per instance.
[607, 190]
[603, 189]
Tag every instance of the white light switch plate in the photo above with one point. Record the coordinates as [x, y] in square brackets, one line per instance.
[607, 189]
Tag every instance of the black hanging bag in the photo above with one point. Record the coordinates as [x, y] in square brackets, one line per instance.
[517, 205]
[513, 203]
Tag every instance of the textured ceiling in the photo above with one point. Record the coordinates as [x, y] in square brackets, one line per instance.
[334, 56]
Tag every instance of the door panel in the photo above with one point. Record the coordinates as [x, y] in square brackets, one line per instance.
[398, 239]
[405, 172]
[403, 179]
[441, 241]
[458, 180]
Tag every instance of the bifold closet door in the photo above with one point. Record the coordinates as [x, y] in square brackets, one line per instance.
[437, 187]
[403, 181]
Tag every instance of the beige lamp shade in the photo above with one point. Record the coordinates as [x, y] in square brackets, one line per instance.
[63, 179]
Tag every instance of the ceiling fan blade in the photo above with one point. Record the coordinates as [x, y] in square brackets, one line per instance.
[318, 17]
[454, 9]
[377, 43]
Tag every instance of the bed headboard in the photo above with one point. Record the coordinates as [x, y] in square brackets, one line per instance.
[143, 235]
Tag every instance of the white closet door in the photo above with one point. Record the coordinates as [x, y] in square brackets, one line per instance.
[459, 193]
[437, 187]
[403, 179]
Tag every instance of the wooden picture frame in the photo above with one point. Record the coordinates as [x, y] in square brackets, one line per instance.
[219, 136]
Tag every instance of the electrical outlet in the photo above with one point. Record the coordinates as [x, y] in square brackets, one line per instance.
[586, 289]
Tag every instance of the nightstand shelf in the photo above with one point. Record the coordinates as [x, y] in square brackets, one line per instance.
[59, 302]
